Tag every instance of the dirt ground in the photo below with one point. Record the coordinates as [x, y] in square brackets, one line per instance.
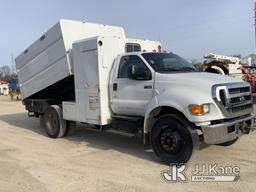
[91, 160]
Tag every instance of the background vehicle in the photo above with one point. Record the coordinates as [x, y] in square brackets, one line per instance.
[92, 73]
[14, 89]
[4, 90]
[222, 64]
[232, 66]
[249, 75]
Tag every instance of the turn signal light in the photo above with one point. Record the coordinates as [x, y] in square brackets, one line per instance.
[199, 109]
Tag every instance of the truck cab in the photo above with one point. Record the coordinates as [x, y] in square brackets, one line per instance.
[155, 85]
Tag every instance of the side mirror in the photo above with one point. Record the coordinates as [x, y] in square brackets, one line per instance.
[138, 73]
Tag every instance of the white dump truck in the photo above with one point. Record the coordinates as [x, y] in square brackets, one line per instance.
[93, 74]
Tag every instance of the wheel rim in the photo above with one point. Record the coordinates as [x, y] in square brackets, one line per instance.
[170, 141]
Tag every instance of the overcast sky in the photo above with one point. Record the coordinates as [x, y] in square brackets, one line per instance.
[186, 27]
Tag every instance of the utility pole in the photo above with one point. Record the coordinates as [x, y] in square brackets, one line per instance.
[255, 22]
[12, 64]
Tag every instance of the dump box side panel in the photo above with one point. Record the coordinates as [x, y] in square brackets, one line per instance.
[48, 77]
[47, 58]
[44, 63]
[53, 34]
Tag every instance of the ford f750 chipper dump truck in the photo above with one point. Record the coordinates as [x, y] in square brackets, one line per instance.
[92, 73]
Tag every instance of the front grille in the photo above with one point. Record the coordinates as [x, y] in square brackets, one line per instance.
[239, 90]
[234, 99]
[223, 97]
[237, 100]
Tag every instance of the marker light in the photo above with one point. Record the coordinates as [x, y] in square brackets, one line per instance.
[199, 109]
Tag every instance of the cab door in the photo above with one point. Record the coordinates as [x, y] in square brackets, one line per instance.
[131, 96]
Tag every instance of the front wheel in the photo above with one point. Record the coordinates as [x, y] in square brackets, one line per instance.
[174, 139]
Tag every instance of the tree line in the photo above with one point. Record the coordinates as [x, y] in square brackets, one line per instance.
[5, 73]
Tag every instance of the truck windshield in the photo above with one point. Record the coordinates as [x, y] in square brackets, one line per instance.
[168, 62]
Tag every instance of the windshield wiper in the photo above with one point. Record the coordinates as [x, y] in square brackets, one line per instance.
[187, 69]
[168, 69]
[176, 69]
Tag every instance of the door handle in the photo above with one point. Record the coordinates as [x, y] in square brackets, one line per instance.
[148, 87]
[114, 86]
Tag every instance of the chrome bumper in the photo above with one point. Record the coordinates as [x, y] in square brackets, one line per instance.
[228, 131]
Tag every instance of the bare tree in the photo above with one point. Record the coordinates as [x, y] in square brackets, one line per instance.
[197, 64]
[5, 71]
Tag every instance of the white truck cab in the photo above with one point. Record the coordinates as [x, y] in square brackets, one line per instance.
[124, 84]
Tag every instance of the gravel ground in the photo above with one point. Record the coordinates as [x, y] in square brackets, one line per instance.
[101, 161]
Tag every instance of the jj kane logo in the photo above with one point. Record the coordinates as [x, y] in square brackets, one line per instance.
[176, 173]
[201, 173]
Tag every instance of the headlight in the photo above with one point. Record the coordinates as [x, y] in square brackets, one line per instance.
[199, 109]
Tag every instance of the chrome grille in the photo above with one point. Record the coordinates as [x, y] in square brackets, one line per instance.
[240, 100]
[223, 97]
[233, 99]
[239, 90]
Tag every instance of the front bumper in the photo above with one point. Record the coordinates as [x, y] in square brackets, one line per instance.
[227, 131]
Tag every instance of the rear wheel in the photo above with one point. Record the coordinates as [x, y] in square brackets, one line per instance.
[174, 139]
[53, 123]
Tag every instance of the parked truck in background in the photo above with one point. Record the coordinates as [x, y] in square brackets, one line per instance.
[222, 64]
[93, 73]
[232, 66]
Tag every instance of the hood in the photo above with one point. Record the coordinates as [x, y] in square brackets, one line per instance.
[191, 83]
[196, 78]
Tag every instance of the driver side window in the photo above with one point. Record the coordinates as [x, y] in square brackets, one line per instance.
[127, 61]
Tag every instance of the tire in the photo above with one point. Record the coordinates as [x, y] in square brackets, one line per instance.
[226, 144]
[52, 122]
[174, 139]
